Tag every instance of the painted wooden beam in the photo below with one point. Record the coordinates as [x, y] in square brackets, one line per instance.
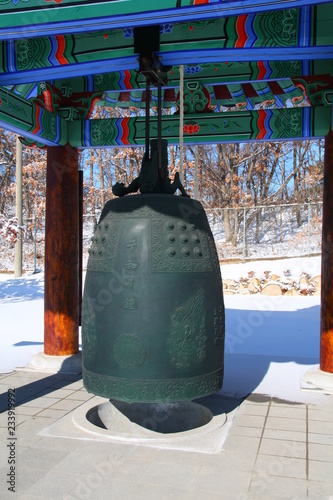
[20, 18]
[238, 126]
[229, 72]
[30, 120]
[207, 74]
[300, 34]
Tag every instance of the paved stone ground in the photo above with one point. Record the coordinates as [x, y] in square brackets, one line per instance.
[274, 449]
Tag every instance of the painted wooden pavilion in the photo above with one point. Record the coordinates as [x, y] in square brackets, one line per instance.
[254, 70]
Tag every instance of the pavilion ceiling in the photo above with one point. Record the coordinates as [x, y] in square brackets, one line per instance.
[23, 18]
[247, 70]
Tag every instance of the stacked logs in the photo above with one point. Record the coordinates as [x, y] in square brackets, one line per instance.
[273, 284]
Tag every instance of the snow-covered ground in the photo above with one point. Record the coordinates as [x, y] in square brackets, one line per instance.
[270, 341]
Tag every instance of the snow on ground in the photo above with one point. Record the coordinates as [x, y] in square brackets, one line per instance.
[270, 341]
[22, 319]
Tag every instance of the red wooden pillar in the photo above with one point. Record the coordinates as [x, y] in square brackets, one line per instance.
[80, 243]
[326, 313]
[61, 292]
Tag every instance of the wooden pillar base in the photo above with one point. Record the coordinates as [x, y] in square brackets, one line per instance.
[61, 292]
[317, 379]
[71, 364]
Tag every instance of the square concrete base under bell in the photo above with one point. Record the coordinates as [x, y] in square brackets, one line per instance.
[206, 439]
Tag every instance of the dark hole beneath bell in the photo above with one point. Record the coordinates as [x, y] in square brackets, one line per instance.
[164, 418]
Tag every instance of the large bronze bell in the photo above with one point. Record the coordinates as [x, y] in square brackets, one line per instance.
[153, 312]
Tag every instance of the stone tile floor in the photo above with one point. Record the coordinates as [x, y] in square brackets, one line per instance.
[273, 449]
